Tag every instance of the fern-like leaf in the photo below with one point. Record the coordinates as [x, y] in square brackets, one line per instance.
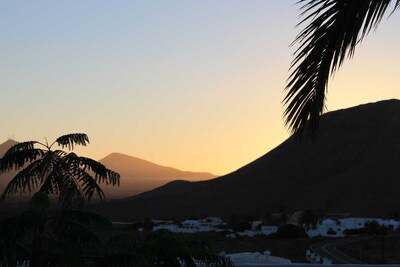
[21, 146]
[89, 186]
[18, 159]
[25, 181]
[70, 140]
[102, 174]
[334, 29]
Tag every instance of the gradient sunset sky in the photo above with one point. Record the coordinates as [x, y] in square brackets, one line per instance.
[195, 85]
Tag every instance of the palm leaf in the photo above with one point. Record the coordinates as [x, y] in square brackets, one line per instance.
[70, 140]
[89, 186]
[71, 195]
[334, 29]
[17, 159]
[102, 174]
[26, 180]
[21, 146]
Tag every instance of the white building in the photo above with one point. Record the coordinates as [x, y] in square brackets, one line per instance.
[269, 229]
[336, 228]
[192, 226]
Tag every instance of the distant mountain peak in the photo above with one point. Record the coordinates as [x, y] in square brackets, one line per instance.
[139, 175]
[6, 145]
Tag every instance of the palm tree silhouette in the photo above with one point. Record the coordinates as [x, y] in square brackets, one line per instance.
[74, 179]
[67, 236]
[52, 237]
[334, 29]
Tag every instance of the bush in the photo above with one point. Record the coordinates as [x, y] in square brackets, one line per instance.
[289, 231]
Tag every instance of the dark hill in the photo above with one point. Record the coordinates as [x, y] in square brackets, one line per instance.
[353, 167]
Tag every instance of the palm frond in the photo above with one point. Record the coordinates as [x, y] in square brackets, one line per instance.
[102, 174]
[52, 182]
[70, 140]
[21, 146]
[18, 159]
[25, 181]
[89, 185]
[334, 29]
[71, 195]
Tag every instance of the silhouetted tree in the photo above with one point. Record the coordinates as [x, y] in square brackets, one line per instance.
[333, 30]
[52, 237]
[289, 231]
[307, 218]
[283, 218]
[74, 179]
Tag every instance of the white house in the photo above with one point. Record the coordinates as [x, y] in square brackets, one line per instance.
[169, 227]
[249, 233]
[269, 229]
[336, 228]
[212, 221]
[192, 226]
[354, 223]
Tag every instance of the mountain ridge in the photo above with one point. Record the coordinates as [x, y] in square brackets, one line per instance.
[351, 167]
[139, 175]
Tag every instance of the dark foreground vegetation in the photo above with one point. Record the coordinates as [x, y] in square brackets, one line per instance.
[63, 234]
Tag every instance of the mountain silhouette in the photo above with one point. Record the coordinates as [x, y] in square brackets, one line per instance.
[5, 178]
[6, 145]
[138, 175]
[352, 167]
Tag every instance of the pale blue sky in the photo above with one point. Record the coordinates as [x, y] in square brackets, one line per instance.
[195, 85]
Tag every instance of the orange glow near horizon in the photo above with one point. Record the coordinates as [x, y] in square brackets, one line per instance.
[195, 86]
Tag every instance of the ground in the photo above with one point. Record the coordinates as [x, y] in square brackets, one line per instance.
[370, 250]
[293, 249]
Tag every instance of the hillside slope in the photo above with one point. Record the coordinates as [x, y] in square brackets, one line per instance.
[353, 166]
[138, 175]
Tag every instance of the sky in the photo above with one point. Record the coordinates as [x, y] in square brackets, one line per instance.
[195, 85]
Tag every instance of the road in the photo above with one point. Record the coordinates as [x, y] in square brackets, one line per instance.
[328, 249]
